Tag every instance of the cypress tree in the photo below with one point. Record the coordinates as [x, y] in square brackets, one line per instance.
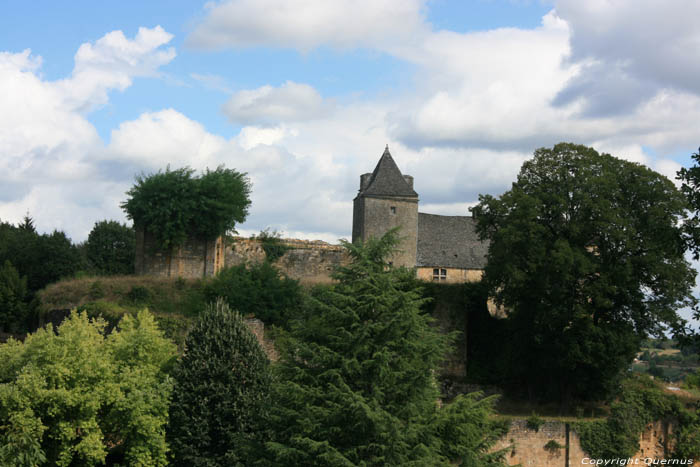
[221, 392]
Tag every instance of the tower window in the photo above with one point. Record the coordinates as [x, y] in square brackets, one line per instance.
[393, 209]
[439, 274]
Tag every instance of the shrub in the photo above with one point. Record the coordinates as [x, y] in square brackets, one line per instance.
[13, 294]
[220, 397]
[257, 289]
[272, 245]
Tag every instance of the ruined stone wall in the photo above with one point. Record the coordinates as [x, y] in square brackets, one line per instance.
[310, 262]
[526, 446]
[195, 258]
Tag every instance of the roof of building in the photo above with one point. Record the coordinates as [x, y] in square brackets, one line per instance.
[449, 242]
[387, 180]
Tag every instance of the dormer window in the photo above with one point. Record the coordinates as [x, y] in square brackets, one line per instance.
[393, 209]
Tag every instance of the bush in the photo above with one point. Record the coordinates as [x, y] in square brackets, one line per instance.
[534, 422]
[272, 245]
[257, 289]
[220, 398]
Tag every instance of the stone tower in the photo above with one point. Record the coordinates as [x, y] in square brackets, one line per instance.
[386, 200]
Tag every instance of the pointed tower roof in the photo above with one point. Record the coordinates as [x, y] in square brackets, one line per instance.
[387, 180]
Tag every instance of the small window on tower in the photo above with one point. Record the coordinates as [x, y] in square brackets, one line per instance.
[393, 209]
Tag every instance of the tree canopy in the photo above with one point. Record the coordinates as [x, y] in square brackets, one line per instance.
[110, 248]
[587, 254]
[75, 397]
[356, 382]
[175, 204]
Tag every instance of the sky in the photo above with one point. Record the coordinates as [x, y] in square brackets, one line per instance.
[304, 95]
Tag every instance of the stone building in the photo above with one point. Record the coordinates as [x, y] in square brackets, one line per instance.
[442, 248]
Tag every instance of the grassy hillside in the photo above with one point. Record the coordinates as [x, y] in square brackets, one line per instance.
[174, 302]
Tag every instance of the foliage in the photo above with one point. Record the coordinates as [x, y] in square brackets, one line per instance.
[43, 259]
[640, 403]
[74, 397]
[356, 381]
[256, 289]
[553, 447]
[586, 254]
[272, 245]
[13, 299]
[221, 391]
[175, 204]
[534, 422]
[110, 248]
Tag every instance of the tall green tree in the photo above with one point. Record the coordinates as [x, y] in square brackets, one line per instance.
[175, 204]
[13, 299]
[110, 248]
[587, 255]
[221, 393]
[75, 397]
[356, 379]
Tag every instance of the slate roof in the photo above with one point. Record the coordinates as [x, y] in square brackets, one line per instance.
[387, 180]
[450, 242]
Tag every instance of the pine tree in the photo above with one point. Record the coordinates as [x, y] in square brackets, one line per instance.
[221, 392]
[357, 379]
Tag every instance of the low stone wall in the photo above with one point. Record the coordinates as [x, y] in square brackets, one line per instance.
[527, 447]
[195, 258]
[310, 262]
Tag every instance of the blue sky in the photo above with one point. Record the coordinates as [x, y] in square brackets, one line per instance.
[304, 95]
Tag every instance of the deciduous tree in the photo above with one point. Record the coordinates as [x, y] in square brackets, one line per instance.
[587, 255]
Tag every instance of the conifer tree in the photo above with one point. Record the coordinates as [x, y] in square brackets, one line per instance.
[221, 392]
[357, 379]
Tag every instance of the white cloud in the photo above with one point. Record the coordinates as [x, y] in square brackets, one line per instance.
[268, 105]
[48, 149]
[632, 50]
[307, 24]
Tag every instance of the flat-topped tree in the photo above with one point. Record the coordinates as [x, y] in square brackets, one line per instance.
[176, 204]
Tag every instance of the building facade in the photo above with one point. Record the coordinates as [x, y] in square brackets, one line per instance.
[441, 248]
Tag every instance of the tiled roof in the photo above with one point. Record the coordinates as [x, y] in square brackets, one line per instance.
[387, 180]
[450, 242]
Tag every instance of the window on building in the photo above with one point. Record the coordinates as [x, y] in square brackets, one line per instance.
[439, 274]
[393, 209]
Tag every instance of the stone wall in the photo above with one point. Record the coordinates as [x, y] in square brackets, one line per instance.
[453, 276]
[195, 258]
[310, 262]
[526, 446]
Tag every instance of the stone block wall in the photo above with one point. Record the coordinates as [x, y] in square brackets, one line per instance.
[526, 446]
[310, 262]
[195, 258]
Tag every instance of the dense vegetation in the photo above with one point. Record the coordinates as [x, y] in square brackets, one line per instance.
[110, 248]
[587, 255]
[221, 394]
[174, 205]
[78, 397]
[357, 377]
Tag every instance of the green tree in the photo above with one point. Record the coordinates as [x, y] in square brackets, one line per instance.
[356, 382]
[13, 299]
[257, 289]
[73, 397]
[110, 248]
[587, 255]
[175, 204]
[221, 393]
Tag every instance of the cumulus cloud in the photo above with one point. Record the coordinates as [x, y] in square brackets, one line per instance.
[47, 146]
[308, 24]
[269, 105]
[631, 50]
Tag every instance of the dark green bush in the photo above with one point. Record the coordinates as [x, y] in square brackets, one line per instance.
[257, 289]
